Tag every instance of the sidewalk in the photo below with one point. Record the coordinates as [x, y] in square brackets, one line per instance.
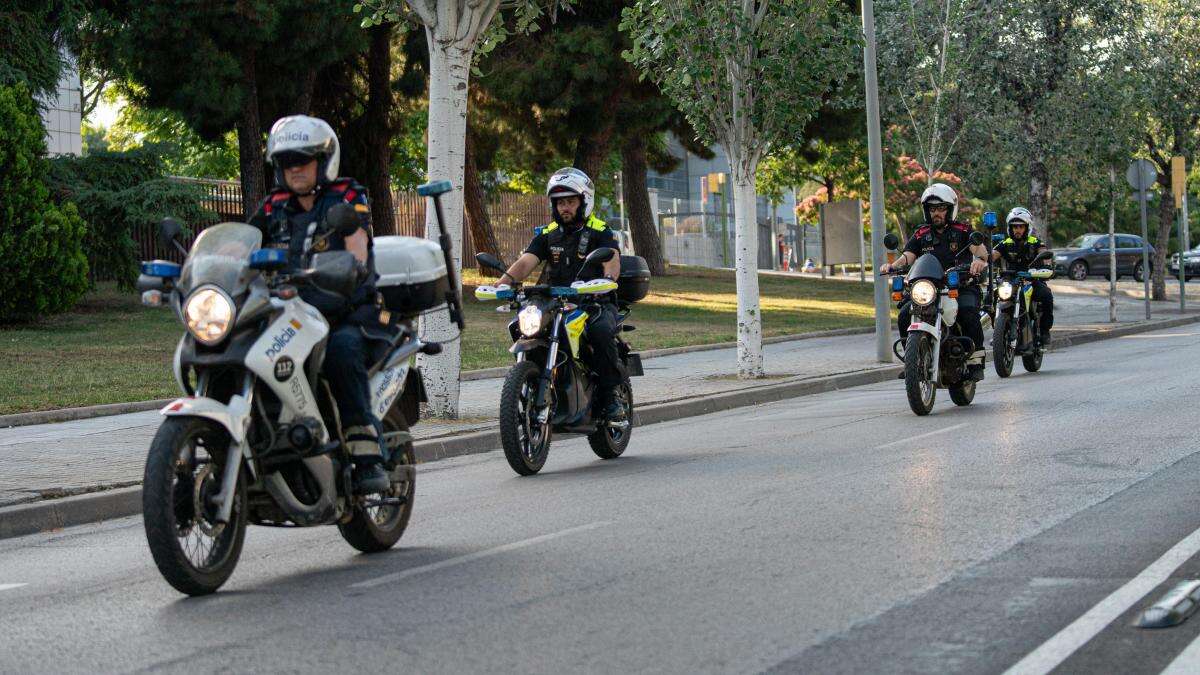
[53, 460]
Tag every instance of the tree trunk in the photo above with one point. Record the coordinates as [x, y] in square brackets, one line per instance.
[591, 150]
[749, 317]
[249, 132]
[1039, 200]
[637, 204]
[449, 73]
[377, 129]
[1162, 238]
[482, 234]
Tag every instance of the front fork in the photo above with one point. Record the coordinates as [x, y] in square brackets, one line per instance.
[233, 461]
[547, 380]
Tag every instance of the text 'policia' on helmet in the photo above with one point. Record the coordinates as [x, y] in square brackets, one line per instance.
[569, 181]
[303, 136]
[1020, 214]
[940, 193]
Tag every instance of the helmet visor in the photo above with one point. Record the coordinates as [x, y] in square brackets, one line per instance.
[291, 158]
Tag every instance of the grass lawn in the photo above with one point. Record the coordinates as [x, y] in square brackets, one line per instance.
[111, 349]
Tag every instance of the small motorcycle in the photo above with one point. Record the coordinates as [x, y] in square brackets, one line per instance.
[550, 387]
[936, 353]
[256, 438]
[1017, 325]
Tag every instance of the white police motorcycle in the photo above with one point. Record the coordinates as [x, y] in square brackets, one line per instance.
[256, 438]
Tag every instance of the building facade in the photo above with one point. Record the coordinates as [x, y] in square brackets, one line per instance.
[62, 116]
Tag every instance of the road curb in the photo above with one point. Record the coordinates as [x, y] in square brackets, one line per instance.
[53, 514]
[87, 412]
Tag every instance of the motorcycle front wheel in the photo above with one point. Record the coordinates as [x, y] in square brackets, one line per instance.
[378, 527]
[608, 442]
[918, 373]
[1032, 360]
[1003, 349]
[194, 553]
[526, 442]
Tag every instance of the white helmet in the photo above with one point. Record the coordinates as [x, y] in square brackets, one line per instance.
[940, 193]
[1020, 214]
[570, 181]
[307, 137]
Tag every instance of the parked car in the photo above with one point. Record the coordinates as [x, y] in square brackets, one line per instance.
[1191, 262]
[1087, 255]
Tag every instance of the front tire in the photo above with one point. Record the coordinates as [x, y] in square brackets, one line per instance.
[526, 442]
[1003, 351]
[194, 553]
[609, 442]
[1139, 274]
[372, 529]
[918, 358]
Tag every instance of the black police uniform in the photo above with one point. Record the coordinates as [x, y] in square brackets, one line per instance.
[563, 249]
[356, 333]
[1018, 254]
[948, 245]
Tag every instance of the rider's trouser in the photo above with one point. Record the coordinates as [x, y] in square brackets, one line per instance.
[1045, 300]
[968, 316]
[602, 357]
[345, 368]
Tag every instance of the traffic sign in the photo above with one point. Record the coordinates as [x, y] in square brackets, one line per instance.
[1141, 174]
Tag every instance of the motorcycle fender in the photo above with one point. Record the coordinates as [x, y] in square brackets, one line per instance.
[386, 385]
[575, 322]
[235, 416]
[528, 345]
[278, 357]
[925, 327]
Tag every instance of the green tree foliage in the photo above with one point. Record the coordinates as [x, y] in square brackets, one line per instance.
[182, 151]
[41, 243]
[119, 194]
[34, 35]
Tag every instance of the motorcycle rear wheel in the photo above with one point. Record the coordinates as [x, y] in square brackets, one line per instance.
[1032, 360]
[373, 529]
[526, 443]
[183, 469]
[609, 442]
[921, 391]
[1003, 350]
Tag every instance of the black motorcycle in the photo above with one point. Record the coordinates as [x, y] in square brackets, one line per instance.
[1018, 319]
[936, 353]
[551, 388]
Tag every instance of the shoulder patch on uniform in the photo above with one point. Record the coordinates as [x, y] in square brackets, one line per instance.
[922, 231]
[362, 208]
[1008, 240]
[962, 227]
[596, 224]
[546, 229]
[1033, 240]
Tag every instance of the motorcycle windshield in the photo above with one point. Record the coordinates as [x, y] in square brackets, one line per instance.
[221, 257]
[926, 267]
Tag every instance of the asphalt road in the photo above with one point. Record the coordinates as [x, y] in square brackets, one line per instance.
[832, 533]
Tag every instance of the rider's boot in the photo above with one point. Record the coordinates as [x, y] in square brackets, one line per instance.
[366, 452]
[975, 372]
[610, 409]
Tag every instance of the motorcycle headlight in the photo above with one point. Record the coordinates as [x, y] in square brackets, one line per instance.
[1004, 291]
[529, 320]
[208, 314]
[923, 292]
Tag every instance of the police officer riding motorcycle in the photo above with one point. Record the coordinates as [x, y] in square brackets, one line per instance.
[943, 259]
[306, 154]
[1025, 271]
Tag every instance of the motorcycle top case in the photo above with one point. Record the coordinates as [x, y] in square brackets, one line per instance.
[634, 282]
[412, 274]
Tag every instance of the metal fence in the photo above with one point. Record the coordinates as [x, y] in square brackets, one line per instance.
[707, 240]
[513, 218]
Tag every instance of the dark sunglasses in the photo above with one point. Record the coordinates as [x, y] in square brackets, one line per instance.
[288, 160]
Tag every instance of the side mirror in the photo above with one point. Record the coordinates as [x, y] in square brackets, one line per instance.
[335, 271]
[169, 230]
[491, 262]
[343, 218]
[989, 220]
[977, 238]
[599, 256]
[891, 242]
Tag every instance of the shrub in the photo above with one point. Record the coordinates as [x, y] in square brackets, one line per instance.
[121, 194]
[43, 269]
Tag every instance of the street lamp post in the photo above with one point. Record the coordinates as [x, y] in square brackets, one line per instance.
[883, 335]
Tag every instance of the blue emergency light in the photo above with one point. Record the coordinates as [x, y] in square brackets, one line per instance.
[989, 219]
[268, 259]
[161, 268]
[952, 279]
[897, 284]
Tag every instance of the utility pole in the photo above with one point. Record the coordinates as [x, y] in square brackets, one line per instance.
[883, 329]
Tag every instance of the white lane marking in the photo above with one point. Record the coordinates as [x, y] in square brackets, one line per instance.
[920, 436]
[462, 559]
[1054, 651]
[9, 587]
[1187, 662]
